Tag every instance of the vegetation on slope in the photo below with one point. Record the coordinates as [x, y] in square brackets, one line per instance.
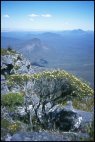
[7, 51]
[77, 91]
[12, 99]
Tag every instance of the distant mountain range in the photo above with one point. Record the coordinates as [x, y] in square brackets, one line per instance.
[69, 50]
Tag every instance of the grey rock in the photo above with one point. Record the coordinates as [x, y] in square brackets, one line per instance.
[56, 108]
[7, 59]
[20, 111]
[38, 136]
[35, 100]
[23, 69]
[48, 107]
[17, 137]
[62, 119]
[24, 64]
[86, 116]
[31, 70]
[39, 113]
[69, 106]
[29, 85]
[5, 114]
[8, 137]
[15, 89]
[31, 110]
[2, 77]
[48, 136]
[4, 88]
[7, 63]
[3, 66]
[18, 63]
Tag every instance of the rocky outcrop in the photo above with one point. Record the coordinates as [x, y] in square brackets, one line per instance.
[45, 95]
[37, 136]
[15, 63]
[4, 87]
[46, 136]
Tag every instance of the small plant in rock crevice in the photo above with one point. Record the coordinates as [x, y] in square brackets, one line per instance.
[10, 127]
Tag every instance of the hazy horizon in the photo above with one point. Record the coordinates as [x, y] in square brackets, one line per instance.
[44, 30]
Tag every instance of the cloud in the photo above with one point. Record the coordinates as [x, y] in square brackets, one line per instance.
[46, 15]
[33, 15]
[6, 16]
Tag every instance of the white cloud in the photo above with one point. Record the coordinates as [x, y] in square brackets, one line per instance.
[46, 15]
[33, 15]
[6, 16]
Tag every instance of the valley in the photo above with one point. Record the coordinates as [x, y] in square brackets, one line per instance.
[72, 50]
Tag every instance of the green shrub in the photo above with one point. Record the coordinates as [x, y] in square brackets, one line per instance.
[90, 131]
[83, 103]
[9, 48]
[75, 89]
[14, 127]
[4, 123]
[4, 52]
[9, 127]
[12, 99]
[14, 79]
[7, 51]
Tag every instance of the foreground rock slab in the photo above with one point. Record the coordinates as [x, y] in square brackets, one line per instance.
[45, 136]
[38, 136]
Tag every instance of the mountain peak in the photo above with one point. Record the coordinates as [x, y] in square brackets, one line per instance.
[36, 40]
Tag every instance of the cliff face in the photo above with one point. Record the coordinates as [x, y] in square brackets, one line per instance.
[13, 63]
[37, 101]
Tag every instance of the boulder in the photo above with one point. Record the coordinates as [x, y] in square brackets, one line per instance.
[7, 59]
[61, 118]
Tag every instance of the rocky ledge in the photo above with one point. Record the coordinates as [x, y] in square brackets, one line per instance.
[33, 102]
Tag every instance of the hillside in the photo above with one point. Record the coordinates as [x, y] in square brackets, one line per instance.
[46, 101]
[68, 50]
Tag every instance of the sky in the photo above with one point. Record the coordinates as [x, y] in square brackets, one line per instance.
[47, 15]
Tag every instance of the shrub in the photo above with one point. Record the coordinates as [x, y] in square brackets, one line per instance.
[4, 52]
[7, 51]
[79, 92]
[15, 127]
[9, 127]
[12, 99]
[9, 48]
[90, 130]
